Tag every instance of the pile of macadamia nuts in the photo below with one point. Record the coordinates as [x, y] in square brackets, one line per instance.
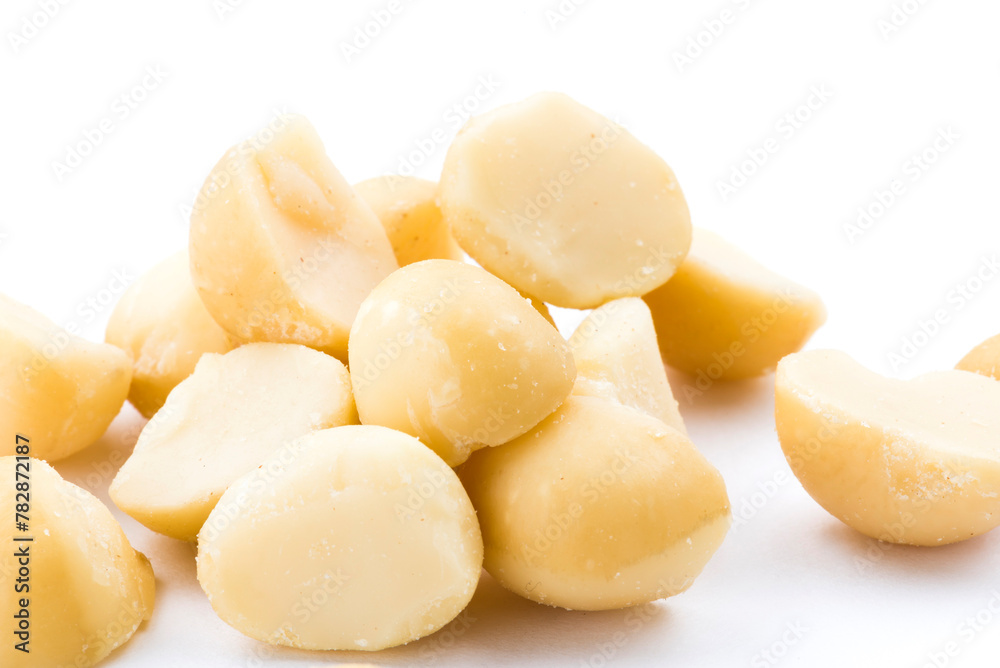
[339, 401]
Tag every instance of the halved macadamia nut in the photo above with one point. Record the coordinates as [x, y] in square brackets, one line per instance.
[59, 390]
[984, 359]
[353, 538]
[448, 353]
[408, 209]
[617, 358]
[162, 323]
[226, 418]
[564, 204]
[599, 507]
[723, 316]
[77, 590]
[914, 462]
[282, 248]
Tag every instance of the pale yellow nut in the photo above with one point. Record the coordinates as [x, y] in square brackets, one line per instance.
[162, 323]
[87, 591]
[448, 353]
[407, 207]
[914, 462]
[617, 358]
[282, 248]
[599, 507]
[984, 359]
[356, 538]
[59, 390]
[564, 204]
[222, 421]
[723, 316]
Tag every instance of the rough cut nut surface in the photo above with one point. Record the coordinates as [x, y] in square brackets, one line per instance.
[89, 590]
[162, 323]
[617, 358]
[984, 359]
[448, 353]
[725, 317]
[914, 462]
[407, 207]
[564, 204]
[359, 538]
[233, 412]
[599, 507]
[58, 389]
[282, 248]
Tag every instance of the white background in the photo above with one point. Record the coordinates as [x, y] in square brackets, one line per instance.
[856, 602]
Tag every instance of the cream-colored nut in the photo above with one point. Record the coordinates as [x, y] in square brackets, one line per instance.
[233, 412]
[448, 353]
[984, 359]
[725, 317]
[408, 209]
[282, 248]
[87, 590]
[617, 358]
[162, 323]
[912, 462]
[599, 507]
[358, 538]
[59, 390]
[564, 204]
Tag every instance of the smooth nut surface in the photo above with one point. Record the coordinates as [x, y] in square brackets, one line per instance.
[984, 359]
[599, 507]
[564, 204]
[617, 358]
[88, 589]
[282, 248]
[162, 323]
[359, 538]
[408, 209]
[448, 353]
[723, 316]
[59, 390]
[914, 462]
[233, 412]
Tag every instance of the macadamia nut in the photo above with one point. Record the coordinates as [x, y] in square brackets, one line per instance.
[358, 538]
[448, 353]
[564, 204]
[233, 412]
[59, 390]
[984, 359]
[914, 462]
[282, 248]
[162, 323]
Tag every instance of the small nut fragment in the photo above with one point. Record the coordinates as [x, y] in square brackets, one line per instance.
[448, 353]
[617, 358]
[233, 412]
[162, 323]
[365, 519]
[725, 317]
[87, 590]
[984, 359]
[914, 462]
[407, 207]
[564, 204]
[59, 389]
[282, 248]
[599, 507]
